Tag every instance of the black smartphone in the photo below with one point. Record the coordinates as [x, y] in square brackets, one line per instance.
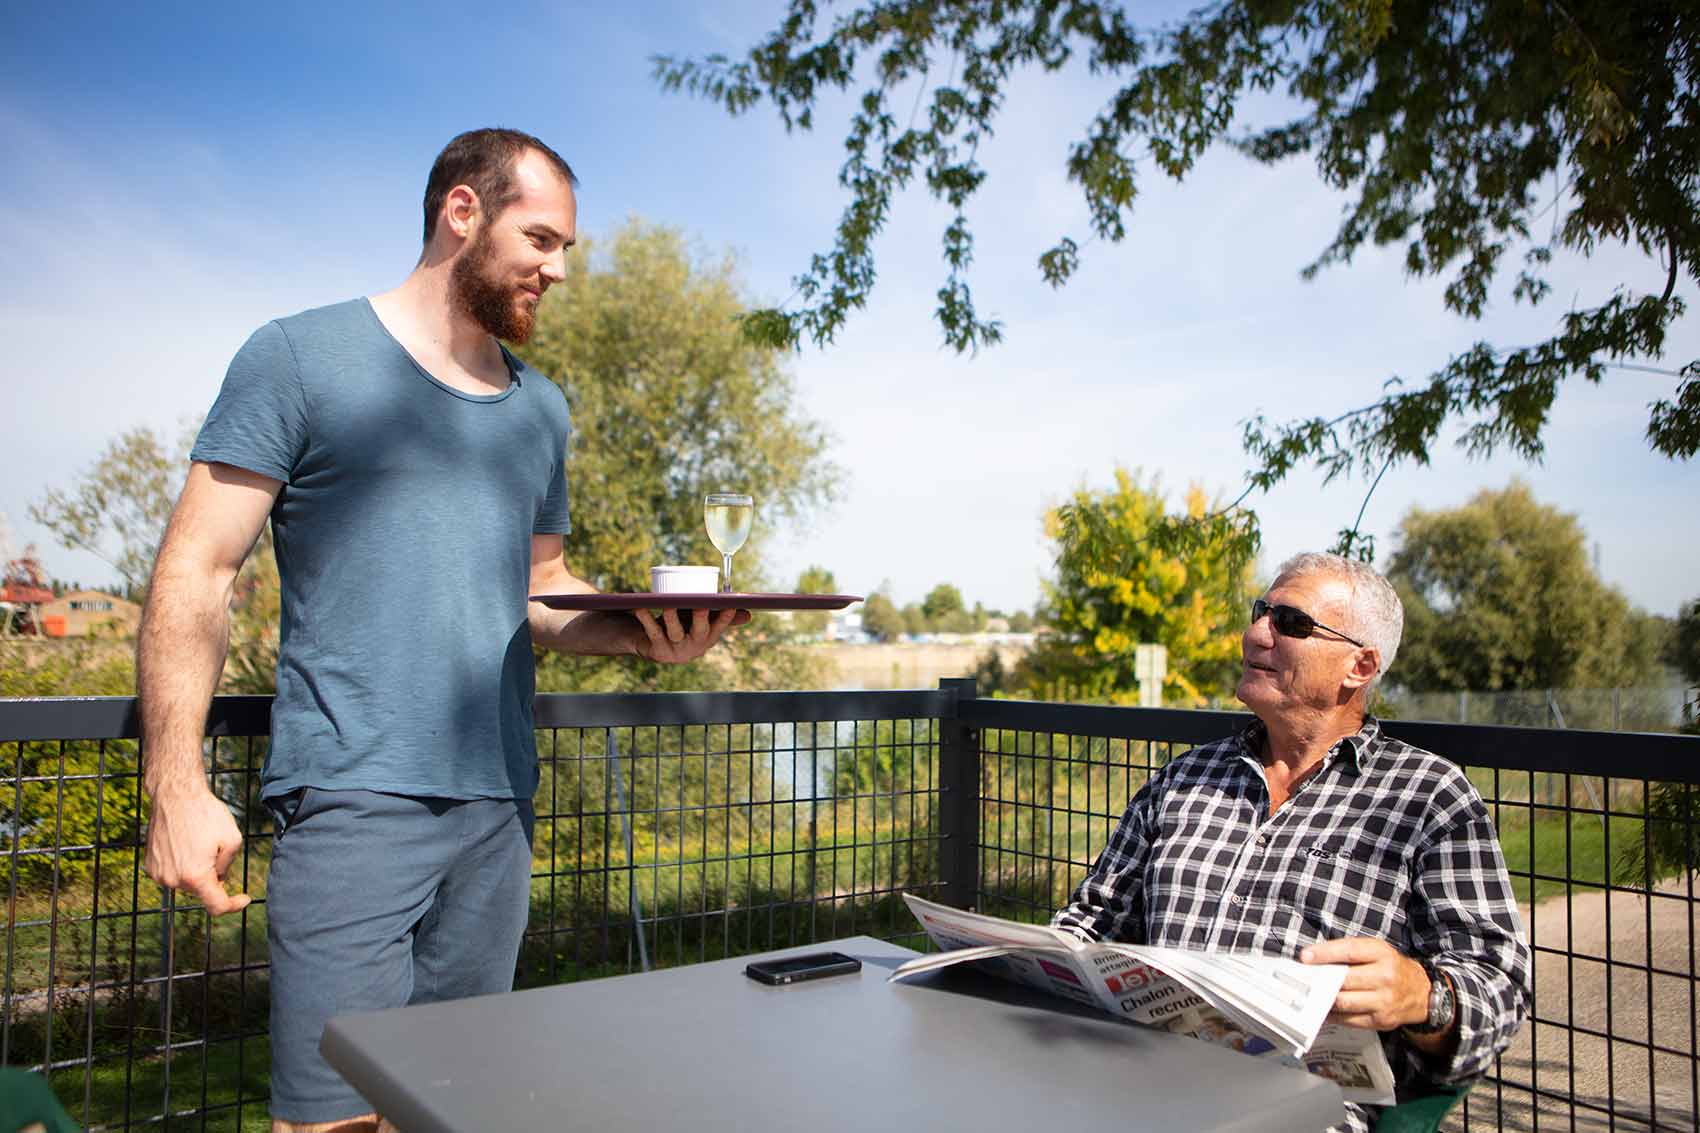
[795, 969]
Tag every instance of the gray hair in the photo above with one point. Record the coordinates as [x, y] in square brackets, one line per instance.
[1376, 617]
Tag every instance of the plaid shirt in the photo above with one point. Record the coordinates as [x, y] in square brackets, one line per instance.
[1384, 840]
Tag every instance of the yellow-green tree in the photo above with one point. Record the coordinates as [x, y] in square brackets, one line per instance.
[1122, 588]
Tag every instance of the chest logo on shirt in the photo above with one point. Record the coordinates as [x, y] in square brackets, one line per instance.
[1320, 853]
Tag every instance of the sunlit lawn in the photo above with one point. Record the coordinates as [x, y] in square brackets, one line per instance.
[194, 1085]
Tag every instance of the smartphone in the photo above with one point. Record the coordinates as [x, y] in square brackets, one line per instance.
[795, 969]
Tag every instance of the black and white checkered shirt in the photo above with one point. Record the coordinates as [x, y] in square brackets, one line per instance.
[1384, 840]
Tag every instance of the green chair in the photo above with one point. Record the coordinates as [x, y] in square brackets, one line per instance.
[1419, 1114]
[25, 1100]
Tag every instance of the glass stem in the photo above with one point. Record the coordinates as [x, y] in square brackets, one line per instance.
[726, 574]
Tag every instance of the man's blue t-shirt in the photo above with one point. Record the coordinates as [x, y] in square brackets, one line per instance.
[403, 534]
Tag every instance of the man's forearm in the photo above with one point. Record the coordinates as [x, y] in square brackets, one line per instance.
[594, 634]
[180, 652]
[1491, 1005]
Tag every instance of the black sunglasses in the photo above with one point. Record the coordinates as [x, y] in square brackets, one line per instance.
[1290, 621]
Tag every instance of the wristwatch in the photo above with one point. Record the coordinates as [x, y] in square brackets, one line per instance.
[1442, 1004]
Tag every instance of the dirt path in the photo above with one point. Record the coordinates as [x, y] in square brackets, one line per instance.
[1634, 966]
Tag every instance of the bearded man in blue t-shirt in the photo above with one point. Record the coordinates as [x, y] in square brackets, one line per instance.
[413, 472]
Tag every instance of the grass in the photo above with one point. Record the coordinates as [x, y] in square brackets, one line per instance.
[221, 1090]
[1541, 855]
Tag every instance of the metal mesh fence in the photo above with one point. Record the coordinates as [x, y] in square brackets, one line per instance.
[1659, 708]
[658, 846]
[141, 1010]
[655, 845]
[676, 829]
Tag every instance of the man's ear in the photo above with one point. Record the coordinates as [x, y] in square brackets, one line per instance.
[461, 210]
[1366, 662]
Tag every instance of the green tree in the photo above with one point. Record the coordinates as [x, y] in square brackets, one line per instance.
[881, 617]
[1021, 622]
[814, 580]
[118, 508]
[957, 621]
[1672, 845]
[944, 611]
[991, 675]
[670, 401]
[941, 601]
[1193, 604]
[1683, 650]
[1499, 594]
[1453, 129]
[915, 620]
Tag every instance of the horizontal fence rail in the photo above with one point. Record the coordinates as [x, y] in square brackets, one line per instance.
[680, 827]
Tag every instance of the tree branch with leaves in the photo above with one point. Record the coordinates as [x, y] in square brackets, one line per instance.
[118, 508]
[1452, 128]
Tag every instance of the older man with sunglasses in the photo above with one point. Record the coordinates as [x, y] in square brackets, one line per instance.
[1313, 834]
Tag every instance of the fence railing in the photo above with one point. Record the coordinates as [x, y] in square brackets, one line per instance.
[676, 828]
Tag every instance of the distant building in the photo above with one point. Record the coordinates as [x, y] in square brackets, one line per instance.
[81, 613]
[845, 626]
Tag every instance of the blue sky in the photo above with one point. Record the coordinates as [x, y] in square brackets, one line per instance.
[180, 173]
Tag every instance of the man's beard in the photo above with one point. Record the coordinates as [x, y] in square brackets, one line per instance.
[489, 300]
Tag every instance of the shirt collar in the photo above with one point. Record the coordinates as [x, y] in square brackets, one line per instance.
[1361, 746]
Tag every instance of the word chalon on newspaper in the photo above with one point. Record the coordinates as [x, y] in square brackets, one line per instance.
[1267, 1006]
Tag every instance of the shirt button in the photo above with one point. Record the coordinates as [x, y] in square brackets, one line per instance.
[1236, 899]
[1263, 839]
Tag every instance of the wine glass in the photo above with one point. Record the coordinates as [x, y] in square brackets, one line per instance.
[727, 515]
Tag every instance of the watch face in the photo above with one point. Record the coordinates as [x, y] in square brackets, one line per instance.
[1440, 1005]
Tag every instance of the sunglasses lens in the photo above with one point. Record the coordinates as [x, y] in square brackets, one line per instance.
[1289, 621]
[1292, 621]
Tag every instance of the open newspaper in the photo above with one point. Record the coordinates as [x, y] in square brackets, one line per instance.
[1267, 1006]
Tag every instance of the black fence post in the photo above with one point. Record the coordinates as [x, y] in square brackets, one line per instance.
[959, 798]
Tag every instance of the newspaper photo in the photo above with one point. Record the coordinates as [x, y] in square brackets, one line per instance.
[1267, 1006]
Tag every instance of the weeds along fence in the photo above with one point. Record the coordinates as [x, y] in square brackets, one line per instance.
[678, 828]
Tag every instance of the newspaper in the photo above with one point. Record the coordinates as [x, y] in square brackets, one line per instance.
[1266, 1006]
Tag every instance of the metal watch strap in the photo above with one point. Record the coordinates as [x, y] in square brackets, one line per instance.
[1442, 1005]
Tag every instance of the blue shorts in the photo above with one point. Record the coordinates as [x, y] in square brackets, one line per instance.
[378, 901]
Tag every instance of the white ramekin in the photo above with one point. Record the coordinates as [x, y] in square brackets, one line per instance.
[684, 579]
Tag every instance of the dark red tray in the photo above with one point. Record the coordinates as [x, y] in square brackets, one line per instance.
[652, 601]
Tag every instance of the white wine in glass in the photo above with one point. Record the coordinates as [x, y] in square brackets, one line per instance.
[727, 515]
